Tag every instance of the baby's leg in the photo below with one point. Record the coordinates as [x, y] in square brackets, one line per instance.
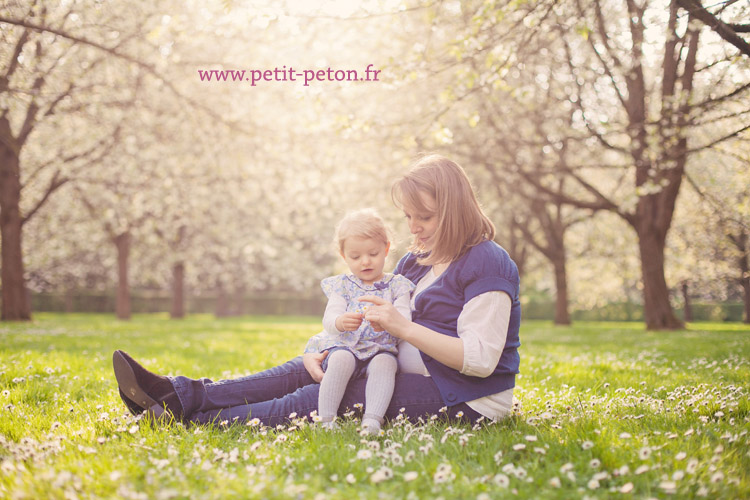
[381, 376]
[341, 365]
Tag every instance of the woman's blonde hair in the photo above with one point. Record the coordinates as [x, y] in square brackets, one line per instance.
[461, 222]
[365, 223]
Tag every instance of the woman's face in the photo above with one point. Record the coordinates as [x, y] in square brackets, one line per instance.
[423, 224]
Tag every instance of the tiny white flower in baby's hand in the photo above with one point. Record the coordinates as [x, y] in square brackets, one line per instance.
[362, 310]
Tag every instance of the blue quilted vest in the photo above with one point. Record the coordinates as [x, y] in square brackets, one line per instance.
[483, 268]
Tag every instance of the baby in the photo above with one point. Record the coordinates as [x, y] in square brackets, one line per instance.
[355, 349]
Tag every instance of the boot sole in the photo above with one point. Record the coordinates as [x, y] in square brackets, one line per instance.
[129, 386]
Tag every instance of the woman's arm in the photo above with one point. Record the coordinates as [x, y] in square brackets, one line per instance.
[443, 348]
[483, 327]
[482, 330]
[403, 305]
[447, 350]
[312, 362]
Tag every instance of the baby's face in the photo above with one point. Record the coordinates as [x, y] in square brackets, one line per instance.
[365, 258]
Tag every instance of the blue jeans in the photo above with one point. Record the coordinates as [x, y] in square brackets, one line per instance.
[274, 394]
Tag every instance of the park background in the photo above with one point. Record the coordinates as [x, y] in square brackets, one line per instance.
[608, 141]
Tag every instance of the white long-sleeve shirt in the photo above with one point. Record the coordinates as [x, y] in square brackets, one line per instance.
[483, 328]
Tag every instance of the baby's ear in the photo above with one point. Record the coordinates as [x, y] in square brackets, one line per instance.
[387, 247]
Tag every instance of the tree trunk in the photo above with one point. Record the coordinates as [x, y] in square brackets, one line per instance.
[654, 211]
[745, 282]
[656, 307]
[688, 310]
[122, 304]
[562, 315]
[68, 301]
[221, 310]
[744, 262]
[517, 250]
[238, 308]
[178, 291]
[553, 249]
[16, 305]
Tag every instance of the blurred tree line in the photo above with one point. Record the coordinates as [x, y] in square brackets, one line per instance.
[607, 139]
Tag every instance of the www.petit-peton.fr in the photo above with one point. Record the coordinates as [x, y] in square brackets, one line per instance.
[284, 74]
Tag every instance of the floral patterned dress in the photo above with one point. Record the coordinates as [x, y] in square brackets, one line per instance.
[365, 342]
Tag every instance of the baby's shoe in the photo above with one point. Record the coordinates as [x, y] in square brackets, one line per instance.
[329, 423]
[370, 426]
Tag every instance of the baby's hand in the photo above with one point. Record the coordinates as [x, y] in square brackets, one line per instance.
[383, 316]
[349, 322]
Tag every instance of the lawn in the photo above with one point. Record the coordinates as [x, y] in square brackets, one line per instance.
[605, 410]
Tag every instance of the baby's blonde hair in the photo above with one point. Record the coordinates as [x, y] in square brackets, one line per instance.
[365, 223]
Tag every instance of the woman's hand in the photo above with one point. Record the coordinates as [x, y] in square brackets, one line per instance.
[382, 315]
[348, 322]
[312, 362]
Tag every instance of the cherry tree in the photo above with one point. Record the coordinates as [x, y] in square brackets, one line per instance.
[642, 115]
[59, 66]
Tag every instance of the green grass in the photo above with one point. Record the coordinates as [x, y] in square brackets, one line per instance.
[604, 408]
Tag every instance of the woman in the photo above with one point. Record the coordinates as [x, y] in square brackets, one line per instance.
[459, 351]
